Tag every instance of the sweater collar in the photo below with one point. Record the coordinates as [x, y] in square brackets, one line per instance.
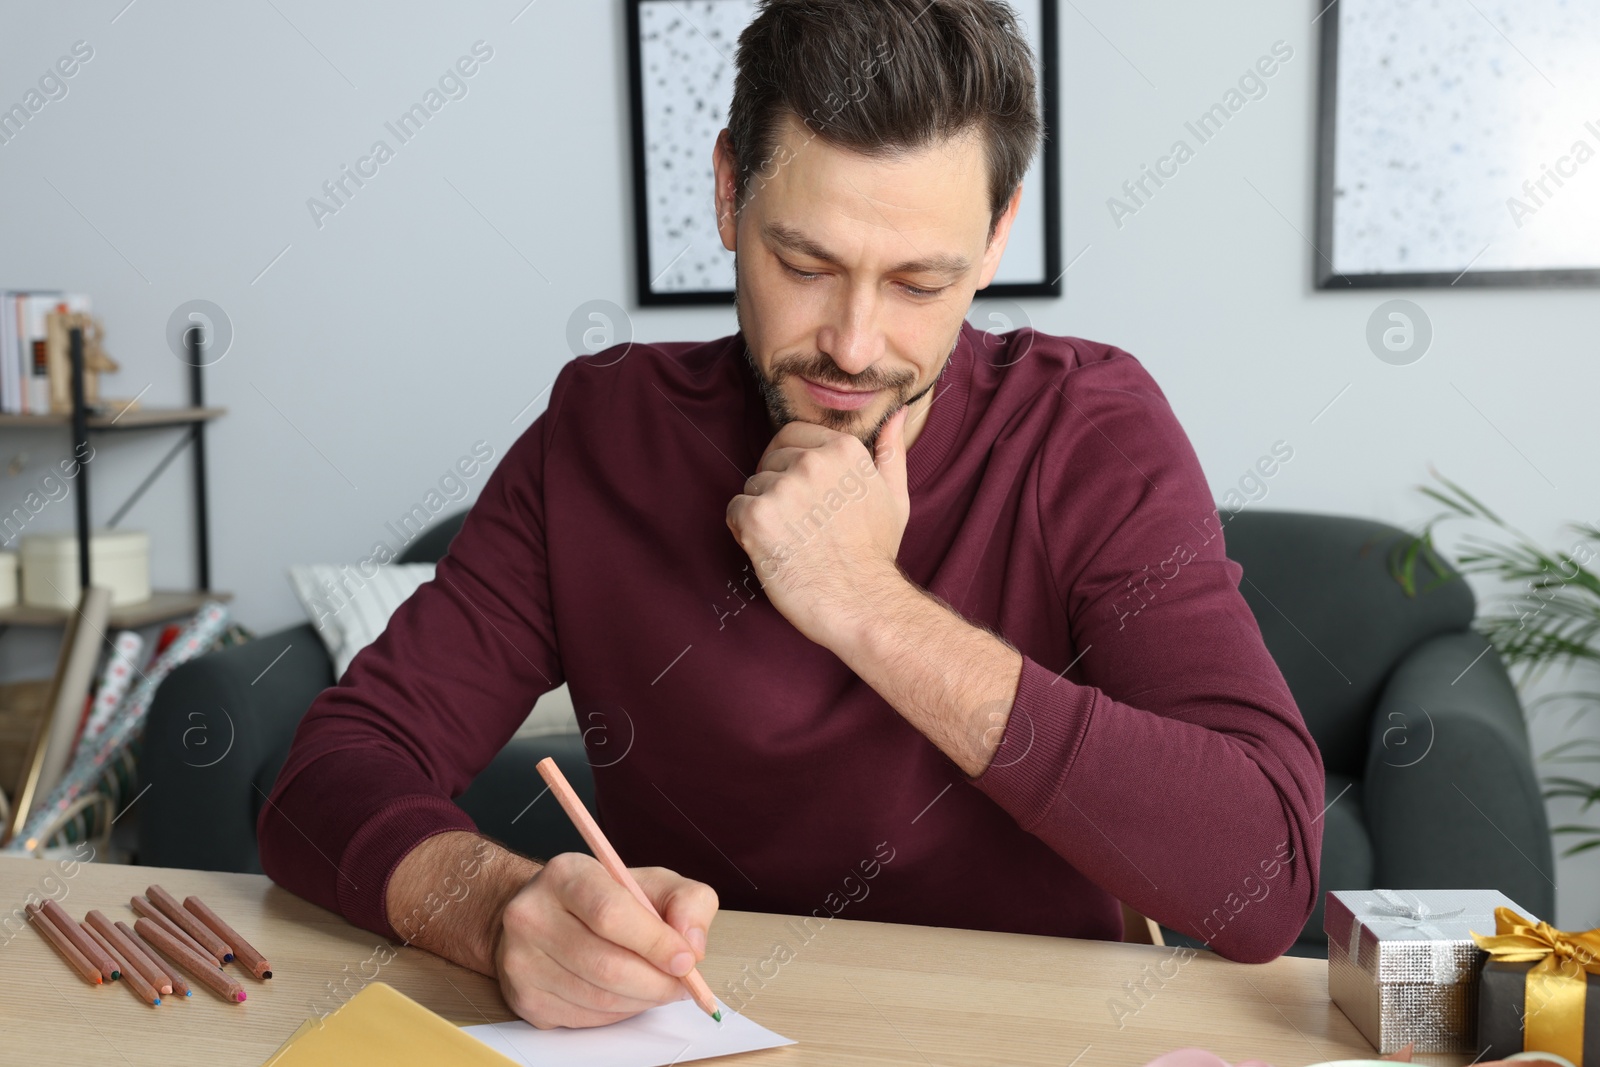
[929, 451]
[932, 446]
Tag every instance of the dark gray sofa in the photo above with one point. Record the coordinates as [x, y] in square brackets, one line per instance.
[1430, 779]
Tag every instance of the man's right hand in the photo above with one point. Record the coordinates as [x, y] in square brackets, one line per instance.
[576, 949]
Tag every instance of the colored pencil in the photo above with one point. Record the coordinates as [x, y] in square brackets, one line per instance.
[179, 986]
[130, 954]
[130, 974]
[245, 952]
[190, 925]
[190, 960]
[69, 952]
[613, 864]
[149, 911]
[81, 941]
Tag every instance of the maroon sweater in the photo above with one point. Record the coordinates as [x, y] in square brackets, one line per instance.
[1154, 753]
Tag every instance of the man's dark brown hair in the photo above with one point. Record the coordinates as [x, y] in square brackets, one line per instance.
[884, 77]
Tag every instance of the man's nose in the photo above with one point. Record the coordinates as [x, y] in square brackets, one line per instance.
[854, 341]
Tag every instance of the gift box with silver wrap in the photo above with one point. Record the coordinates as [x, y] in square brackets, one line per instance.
[1403, 965]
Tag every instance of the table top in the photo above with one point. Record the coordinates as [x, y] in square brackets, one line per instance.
[851, 993]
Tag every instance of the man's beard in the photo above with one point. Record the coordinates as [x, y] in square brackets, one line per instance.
[822, 370]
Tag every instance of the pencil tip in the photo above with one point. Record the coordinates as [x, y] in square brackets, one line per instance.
[717, 1015]
[189, 993]
[156, 1001]
[227, 957]
[115, 975]
[266, 974]
[239, 996]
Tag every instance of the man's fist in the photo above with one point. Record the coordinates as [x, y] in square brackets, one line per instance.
[576, 949]
[822, 520]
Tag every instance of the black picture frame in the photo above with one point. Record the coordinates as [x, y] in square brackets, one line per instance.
[1324, 253]
[1050, 280]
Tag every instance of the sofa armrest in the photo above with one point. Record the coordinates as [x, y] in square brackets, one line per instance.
[218, 731]
[1451, 794]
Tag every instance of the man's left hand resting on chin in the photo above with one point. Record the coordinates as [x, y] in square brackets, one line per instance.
[837, 582]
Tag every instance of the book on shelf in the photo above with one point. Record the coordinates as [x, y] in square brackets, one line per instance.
[35, 367]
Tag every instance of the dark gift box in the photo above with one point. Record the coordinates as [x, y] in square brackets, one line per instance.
[1562, 993]
[1502, 988]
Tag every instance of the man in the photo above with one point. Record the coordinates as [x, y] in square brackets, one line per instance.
[871, 613]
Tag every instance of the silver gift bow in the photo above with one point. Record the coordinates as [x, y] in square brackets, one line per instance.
[1396, 910]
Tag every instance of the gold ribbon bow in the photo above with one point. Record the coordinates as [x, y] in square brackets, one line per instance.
[1556, 986]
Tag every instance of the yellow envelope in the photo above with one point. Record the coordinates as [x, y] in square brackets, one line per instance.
[382, 1027]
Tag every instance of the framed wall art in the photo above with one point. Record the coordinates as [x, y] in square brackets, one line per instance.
[1458, 144]
[681, 55]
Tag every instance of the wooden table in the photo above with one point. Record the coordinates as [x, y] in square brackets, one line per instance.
[855, 993]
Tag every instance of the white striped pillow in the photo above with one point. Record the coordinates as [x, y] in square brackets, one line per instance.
[350, 610]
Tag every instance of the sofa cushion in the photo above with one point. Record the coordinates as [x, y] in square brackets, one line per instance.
[510, 802]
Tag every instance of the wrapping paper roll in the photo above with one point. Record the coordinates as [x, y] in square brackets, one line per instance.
[90, 761]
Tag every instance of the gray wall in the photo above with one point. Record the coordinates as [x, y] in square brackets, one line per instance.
[430, 311]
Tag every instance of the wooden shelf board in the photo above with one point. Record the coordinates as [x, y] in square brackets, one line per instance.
[163, 604]
[138, 418]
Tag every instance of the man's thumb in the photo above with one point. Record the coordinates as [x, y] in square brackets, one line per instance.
[891, 449]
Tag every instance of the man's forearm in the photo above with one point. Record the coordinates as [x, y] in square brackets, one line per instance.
[955, 682]
[447, 894]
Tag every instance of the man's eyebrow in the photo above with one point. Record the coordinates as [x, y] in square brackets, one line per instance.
[788, 237]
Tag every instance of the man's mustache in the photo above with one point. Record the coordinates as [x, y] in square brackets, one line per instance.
[826, 372]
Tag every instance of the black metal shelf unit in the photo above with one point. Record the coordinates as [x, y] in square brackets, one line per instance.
[162, 604]
[196, 436]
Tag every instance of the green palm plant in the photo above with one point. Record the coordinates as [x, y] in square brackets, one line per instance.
[1556, 620]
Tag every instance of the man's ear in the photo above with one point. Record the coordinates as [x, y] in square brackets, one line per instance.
[997, 243]
[725, 169]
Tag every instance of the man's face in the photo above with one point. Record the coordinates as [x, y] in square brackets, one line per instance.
[856, 273]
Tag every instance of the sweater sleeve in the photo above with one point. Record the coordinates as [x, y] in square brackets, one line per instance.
[1177, 774]
[378, 758]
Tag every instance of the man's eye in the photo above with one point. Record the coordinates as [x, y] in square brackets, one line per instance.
[921, 294]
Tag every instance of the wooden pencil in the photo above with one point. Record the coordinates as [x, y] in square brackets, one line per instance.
[190, 960]
[149, 911]
[618, 870]
[179, 986]
[82, 941]
[130, 954]
[190, 925]
[130, 974]
[245, 952]
[69, 952]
